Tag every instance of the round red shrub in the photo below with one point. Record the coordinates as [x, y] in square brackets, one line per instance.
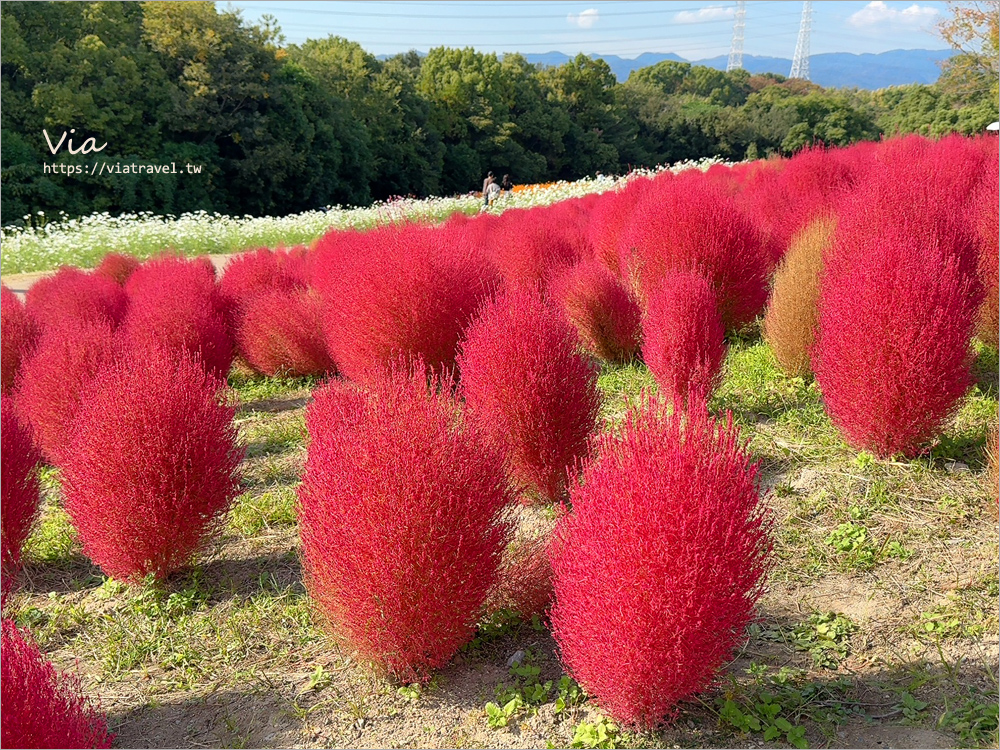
[986, 221]
[659, 565]
[117, 267]
[683, 338]
[689, 223]
[402, 518]
[280, 333]
[899, 298]
[42, 707]
[72, 294]
[529, 246]
[175, 303]
[153, 465]
[19, 490]
[55, 379]
[609, 219]
[396, 291]
[251, 273]
[604, 314]
[17, 336]
[529, 387]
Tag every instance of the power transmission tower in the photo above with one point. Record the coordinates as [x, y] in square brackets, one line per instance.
[736, 51]
[800, 63]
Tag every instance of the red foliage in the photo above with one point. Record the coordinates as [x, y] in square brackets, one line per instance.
[175, 303]
[986, 221]
[524, 585]
[530, 388]
[41, 707]
[605, 316]
[19, 490]
[17, 336]
[55, 379]
[281, 333]
[153, 465]
[402, 518]
[396, 291]
[609, 219]
[659, 565]
[74, 294]
[683, 338]
[529, 246]
[117, 267]
[251, 273]
[690, 224]
[899, 298]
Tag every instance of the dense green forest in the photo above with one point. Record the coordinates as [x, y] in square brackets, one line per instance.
[281, 128]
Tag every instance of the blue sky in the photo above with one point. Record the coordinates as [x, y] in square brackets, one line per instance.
[694, 30]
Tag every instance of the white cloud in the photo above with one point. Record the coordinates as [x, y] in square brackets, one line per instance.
[877, 13]
[711, 13]
[584, 20]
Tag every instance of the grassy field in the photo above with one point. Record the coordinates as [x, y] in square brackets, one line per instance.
[879, 627]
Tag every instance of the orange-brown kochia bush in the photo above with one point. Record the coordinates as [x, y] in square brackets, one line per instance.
[659, 565]
[402, 518]
[19, 491]
[396, 291]
[40, 707]
[532, 391]
[280, 333]
[604, 314]
[683, 338]
[17, 336]
[689, 223]
[54, 381]
[790, 320]
[899, 300]
[153, 465]
[72, 294]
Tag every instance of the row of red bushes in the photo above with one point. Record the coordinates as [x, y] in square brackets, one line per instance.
[468, 383]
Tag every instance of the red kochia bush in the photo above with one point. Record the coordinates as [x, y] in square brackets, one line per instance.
[153, 465]
[899, 298]
[74, 294]
[17, 336]
[683, 338]
[175, 303]
[659, 565]
[281, 333]
[605, 316]
[986, 219]
[689, 223]
[19, 490]
[41, 707]
[534, 394]
[529, 246]
[402, 518]
[117, 267]
[54, 381]
[249, 274]
[396, 291]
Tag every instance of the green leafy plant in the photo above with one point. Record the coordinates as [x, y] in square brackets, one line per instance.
[601, 734]
[826, 636]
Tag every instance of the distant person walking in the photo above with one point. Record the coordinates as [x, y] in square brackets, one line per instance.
[486, 188]
[506, 184]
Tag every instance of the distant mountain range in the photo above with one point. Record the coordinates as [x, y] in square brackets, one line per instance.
[897, 67]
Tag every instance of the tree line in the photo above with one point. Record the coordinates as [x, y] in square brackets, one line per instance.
[282, 128]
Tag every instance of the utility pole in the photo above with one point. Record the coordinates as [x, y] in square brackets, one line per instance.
[736, 50]
[800, 63]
